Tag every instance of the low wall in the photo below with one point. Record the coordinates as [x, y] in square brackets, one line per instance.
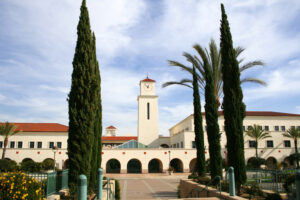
[186, 185]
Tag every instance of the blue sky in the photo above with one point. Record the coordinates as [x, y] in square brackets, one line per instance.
[37, 44]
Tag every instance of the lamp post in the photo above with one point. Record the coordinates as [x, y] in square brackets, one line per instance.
[54, 149]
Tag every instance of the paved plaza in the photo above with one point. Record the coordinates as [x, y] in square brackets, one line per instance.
[148, 186]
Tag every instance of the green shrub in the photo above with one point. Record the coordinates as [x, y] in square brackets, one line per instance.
[47, 164]
[288, 182]
[253, 189]
[256, 163]
[16, 185]
[203, 180]
[8, 165]
[192, 176]
[30, 166]
[274, 196]
[178, 191]
[118, 190]
[225, 186]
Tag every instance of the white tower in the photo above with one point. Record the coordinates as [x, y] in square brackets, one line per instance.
[147, 112]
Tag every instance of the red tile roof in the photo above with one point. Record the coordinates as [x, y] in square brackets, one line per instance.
[122, 138]
[40, 127]
[264, 113]
[110, 127]
[147, 80]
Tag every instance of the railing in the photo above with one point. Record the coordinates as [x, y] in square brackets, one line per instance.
[110, 192]
[269, 179]
[195, 192]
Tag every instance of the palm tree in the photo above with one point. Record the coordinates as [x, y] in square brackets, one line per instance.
[257, 133]
[293, 133]
[7, 130]
[214, 58]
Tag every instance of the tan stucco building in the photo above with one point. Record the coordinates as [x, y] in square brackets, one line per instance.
[148, 152]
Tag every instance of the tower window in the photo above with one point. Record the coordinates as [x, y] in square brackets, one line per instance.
[148, 110]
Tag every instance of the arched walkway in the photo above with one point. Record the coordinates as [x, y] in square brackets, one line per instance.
[155, 166]
[134, 166]
[177, 165]
[27, 159]
[66, 164]
[193, 165]
[271, 163]
[113, 166]
[164, 146]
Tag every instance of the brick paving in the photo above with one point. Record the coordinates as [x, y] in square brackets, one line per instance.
[148, 186]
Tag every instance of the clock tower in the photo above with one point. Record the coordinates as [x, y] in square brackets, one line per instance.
[147, 112]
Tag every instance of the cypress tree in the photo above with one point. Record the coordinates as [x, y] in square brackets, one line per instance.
[234, 108]
[199, 137]
[97, 146]
[213, 131]
[81, 102]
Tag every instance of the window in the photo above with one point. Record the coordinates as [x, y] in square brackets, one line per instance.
[39, 145]
[282, 128]
[20, 145]
[12, 144]
[187, 129]
[266, 128]
[269, 143]
[181, 144]
[287, 143]
[249, 127]
[1, 144]
[193, 144]
[298, 128]
[51, 145]
[244, 128]
[148, 110]
[58, 145]
[31, 145]
[276, 128]
[252, 143]
[177, 145]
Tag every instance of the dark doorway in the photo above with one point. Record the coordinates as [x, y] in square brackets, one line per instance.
[134, 166]
[155, 166]
[113, 166]
[177, 165]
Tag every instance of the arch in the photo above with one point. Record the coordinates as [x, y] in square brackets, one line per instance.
[250, 160]
[27, 160]
[155, 166]
[271, 163]
[164, 146]
[192, 165]
[134, 166]
[177, 165]
[113, 166]
[66, 164]
[288, 161]
[7, 158]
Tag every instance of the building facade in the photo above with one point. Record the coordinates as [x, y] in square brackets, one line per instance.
[151, 152]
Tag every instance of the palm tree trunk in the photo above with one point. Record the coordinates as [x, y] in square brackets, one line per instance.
[256, 146]
[4, 149]
[296, 151]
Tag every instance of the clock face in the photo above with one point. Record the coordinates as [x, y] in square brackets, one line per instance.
[148, 86]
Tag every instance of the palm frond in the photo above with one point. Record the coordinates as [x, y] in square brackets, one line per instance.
[181, 66]
[238, 51]
[166, 84]
[254, 80]
[251, 64]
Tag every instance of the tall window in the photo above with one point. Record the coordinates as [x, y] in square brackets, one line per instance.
[287, 143]
[181, 144]
[148, 110]
[252, 143]
[276, 128]
[270, 143]
[20, 145]
[12, 144]
[51, 145]
[1, 144]
[282, 128]
[58, 144]
[193, 144]
[266, 128]
[39, 145]
[31, 145]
